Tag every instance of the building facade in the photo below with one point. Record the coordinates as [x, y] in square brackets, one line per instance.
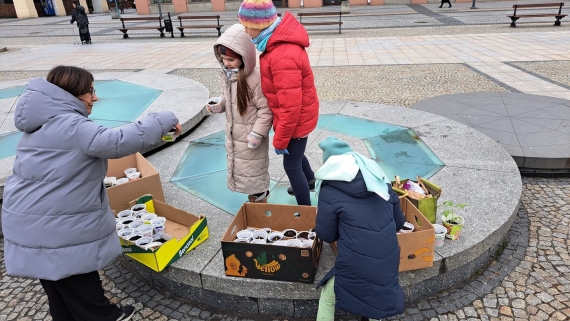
[23, 9]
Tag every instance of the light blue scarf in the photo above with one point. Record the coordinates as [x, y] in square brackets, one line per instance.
[345, 167]
[260, 41]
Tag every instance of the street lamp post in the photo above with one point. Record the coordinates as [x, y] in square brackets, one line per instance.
[159, 9]
[473, 5]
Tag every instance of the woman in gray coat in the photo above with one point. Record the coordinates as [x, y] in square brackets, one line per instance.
[56, 219]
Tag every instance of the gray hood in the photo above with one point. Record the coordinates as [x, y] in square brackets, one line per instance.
[42, 101]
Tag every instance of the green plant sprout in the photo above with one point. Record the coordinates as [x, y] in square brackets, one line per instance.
[450, 210]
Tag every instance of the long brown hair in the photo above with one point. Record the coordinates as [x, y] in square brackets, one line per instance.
[76, 81]
[243, 91]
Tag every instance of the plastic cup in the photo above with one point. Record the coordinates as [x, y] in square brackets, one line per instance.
[134, 225]
[259, 235]
[138, 208]
[307, 243]
[303, 235]
[133, 176]
[158, 224]
[119, 226]
[169, 137]
[127, 220]
[241, 241]
[110, 181]
[215, 104]
[290, 234]
[407, 228]
[144, 241]
[138, 215]
[121, 181]
[125, 213]
[312, 235]
[129, 170]
[134, 237]
[440, 231]
[124, 233]
[274, 237]
[280, 243]
[258, 241]
[148, 217]
[245, 234]
[294, 243]
[146, 230]
[153, 246]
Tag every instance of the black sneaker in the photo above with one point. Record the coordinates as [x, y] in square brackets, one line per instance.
[311, 187]
[128, 313]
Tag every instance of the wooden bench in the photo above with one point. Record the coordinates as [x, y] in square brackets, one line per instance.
[558, 16]
[321, 23]
[159, 28]
[218, 26]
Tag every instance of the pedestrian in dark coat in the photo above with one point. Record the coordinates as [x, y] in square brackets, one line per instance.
[78, 14]
[358, 209]
[445, 1]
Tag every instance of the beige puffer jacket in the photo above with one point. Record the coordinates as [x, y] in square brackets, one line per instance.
[248, 169]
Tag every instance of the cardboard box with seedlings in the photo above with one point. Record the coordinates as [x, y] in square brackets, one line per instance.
[268, 261]
[183, 231]
[149, 183]
[416, 248]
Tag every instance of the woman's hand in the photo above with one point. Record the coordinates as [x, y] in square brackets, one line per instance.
[178, 129]
[209, 109]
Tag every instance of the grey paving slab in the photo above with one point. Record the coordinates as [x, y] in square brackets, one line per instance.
[527, 126]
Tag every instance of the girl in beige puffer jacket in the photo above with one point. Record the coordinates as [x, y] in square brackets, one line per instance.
[248, 118]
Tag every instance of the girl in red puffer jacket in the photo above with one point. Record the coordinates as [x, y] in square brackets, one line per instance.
[288, 84]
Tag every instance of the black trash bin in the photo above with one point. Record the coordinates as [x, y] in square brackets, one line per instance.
[168, 26]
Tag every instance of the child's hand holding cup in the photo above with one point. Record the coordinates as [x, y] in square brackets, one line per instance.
[214, 105]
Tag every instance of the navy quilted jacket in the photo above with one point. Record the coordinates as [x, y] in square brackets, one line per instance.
[364, 226]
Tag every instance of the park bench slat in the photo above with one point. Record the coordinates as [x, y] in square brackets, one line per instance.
[218, 26]
[514, 17]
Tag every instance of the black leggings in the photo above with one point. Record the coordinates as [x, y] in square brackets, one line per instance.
[298, 170]
[79, 298]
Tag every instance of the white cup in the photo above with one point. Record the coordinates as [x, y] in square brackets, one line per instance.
[169, 137]
[304, 235]
[133, 176]
[138, 215]
[125, 213]
[153, 246]
[137, 208]
[158, 224]
[129, 170]
[127, 220]
[144, 241]
[146, 230]
[241, 241]
[110, 181]
[440, 232]
[258, 241]
[124, 233]
[121, 181]
[259, 235]
[215, 104]
[307, 244]
[274, 237]
[148, 217]
[289, 234]
[294, 243]
[245, 234]
[408, 228]
[312, 235]
[134, 237]
[252, 229]
[134, 225]
[119, 226]
[280, 243]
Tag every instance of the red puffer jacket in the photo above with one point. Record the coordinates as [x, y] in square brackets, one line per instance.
[288, 83]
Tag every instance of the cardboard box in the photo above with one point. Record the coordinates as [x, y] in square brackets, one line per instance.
[416, 248]
[149, 183]
[267, 261]
[187, 231]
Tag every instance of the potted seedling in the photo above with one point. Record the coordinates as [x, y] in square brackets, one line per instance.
[451, 220]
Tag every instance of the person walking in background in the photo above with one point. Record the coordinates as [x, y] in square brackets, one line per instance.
[56, 219]
[288, 84]
[445, 1]
[358, 209]
[248, 118]
[78, 14]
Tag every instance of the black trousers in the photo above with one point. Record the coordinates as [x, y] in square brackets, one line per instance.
[79, 298]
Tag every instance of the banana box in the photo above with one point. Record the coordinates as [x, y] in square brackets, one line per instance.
[273, 261]
[416, 248]
[183, 231]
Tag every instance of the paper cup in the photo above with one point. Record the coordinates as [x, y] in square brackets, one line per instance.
[215, 104]
[110, 181]
[124, 233]
[146, 230]
[294, 243]
[169, 137]
[241, 241]
[307, 244]
[259, 235]
[440, 231]
[138, 215]
[127, 220]
[303, 235]
[252, 229]
[289, 234]
[158, 224]
[134, 237]
[274, 237]
[125, 213]
[408, 228]
[144, 241]
[245, 234]
[138, 208]
[129, 170]
[312, 235]
[119, 226]
[258, 241]
[133, 176]
[280, 243]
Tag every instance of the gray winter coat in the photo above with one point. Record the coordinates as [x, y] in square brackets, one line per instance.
[56, 218]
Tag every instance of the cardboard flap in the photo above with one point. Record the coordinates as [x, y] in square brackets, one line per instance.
[238, 223]
[144, 170]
